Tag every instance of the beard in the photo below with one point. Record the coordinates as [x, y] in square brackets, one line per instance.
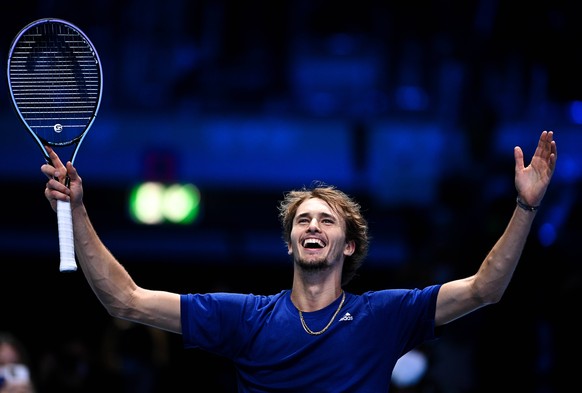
[312, 266]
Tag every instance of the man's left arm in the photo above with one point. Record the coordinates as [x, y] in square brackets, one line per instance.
[487, 286]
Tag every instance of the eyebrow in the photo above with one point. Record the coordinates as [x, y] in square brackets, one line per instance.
[323, 214]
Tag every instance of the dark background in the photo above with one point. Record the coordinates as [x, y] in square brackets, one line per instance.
[412, 107]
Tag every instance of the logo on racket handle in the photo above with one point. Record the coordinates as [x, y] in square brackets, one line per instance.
[58, 127]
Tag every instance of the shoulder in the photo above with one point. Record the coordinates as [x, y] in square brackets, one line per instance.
[390, 297]
[229, 300]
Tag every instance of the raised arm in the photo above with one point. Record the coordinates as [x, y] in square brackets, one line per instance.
[460, 297]
[110, 281]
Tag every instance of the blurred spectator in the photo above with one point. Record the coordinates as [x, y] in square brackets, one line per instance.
[15, 375]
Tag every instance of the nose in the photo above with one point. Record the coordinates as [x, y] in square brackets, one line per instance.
[313, 225]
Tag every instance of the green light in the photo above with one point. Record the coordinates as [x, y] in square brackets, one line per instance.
[144, 203]
[181, 203]
[153, 203]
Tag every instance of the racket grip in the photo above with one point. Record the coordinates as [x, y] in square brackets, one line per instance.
[66, 240]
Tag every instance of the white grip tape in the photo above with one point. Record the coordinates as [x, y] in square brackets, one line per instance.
[66, 240]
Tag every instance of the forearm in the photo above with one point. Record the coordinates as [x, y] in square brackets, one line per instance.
[460, 297]
[496, 271]
[107, 277]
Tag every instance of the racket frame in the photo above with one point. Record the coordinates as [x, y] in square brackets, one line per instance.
[64, 215]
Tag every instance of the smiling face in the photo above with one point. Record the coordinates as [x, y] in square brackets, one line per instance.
[318, 236]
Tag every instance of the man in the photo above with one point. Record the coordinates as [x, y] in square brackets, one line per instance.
[314, 337]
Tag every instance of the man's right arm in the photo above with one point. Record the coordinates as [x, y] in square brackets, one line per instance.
[110, 281]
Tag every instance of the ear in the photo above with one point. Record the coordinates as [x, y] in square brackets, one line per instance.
[289, 249]
[350, 248]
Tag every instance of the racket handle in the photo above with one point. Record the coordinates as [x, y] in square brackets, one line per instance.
[66, 240]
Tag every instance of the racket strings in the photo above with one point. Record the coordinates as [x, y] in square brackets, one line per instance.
[56, 82]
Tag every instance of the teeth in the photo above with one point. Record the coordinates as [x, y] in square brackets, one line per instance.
[316, 242]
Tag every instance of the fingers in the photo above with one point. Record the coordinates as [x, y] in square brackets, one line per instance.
[54, 159]
[553, 149]
[72, 172]
[48, 170]
[54, 173]
[547, 142]
[54, 169]
[56, 190]
[60, 178]
[518, 155]
[53, 156]
[52, 194]
[547, 149]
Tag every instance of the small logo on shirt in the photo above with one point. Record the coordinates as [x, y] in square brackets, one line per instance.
[347, 317]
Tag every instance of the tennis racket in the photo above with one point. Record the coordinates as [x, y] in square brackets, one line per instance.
[54, 78]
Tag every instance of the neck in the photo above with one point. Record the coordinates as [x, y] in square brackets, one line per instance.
[314, 297]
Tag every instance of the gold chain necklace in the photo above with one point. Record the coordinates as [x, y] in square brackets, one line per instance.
[306, 328]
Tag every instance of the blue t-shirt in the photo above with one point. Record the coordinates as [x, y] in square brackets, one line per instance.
[272, 352]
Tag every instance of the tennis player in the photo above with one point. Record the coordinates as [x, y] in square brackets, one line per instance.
[315, 336]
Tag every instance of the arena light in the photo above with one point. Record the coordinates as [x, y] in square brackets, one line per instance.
[154, 203]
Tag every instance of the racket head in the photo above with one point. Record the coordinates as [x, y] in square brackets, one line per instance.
[55, 82]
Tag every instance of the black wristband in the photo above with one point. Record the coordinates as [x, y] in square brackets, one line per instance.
[525, 206]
